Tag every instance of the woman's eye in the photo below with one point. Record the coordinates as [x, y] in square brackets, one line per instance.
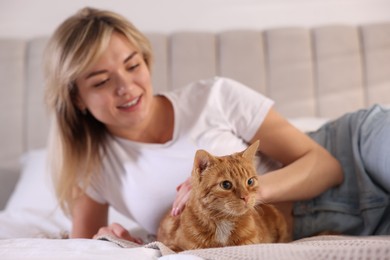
[132, 68]
[226, 185]
[251, 181]
[101, 83]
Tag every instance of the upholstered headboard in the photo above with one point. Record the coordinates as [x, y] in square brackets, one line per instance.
[323, 72]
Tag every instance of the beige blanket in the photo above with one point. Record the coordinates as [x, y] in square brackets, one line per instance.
[321, 247]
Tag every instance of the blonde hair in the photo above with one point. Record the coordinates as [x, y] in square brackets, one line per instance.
[78, 140]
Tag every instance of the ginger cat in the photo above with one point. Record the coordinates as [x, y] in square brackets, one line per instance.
[222, 209]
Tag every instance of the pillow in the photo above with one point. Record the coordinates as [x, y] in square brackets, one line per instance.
[32, 210]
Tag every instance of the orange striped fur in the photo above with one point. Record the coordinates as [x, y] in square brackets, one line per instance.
[222, 208]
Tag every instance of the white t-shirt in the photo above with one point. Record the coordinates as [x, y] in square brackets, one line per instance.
[139, 179]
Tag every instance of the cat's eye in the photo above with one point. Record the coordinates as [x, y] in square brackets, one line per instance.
[226, 185]
[251, 181]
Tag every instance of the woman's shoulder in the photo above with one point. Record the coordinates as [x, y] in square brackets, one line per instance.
[210, 86]
[215, 82]
[215, 90]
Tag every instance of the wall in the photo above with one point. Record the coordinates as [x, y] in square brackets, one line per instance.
[25, 18]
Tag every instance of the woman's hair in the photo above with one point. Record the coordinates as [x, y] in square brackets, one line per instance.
[77, 139]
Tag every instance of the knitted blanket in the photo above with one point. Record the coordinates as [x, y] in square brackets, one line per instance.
[320, 247]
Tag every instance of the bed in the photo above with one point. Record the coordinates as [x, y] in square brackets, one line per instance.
[313, 74]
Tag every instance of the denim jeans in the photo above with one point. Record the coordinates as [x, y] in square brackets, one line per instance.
[360, 205]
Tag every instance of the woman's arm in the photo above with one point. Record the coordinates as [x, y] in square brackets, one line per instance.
[90, 221]
[88, 217]
[309, 169]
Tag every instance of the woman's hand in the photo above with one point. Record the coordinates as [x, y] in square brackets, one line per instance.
[183, 193]
[119, 231]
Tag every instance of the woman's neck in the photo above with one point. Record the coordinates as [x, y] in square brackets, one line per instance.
[160, 125]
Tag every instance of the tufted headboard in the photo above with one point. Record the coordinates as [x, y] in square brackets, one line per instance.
[310, 72]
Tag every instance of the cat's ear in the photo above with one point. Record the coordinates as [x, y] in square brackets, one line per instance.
[250, 152]
[202, 161]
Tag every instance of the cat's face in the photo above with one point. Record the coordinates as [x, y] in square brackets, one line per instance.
[227, 184]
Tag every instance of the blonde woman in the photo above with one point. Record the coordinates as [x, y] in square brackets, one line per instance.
[117, 144]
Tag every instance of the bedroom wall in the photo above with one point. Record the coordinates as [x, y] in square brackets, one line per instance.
[25, 18]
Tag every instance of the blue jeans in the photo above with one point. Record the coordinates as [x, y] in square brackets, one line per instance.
[360, 205]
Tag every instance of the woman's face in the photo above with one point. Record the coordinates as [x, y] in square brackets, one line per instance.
[117, 89]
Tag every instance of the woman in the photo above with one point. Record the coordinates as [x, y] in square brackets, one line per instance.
[117, 144]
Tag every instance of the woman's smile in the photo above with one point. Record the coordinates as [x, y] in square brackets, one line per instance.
[130, 105]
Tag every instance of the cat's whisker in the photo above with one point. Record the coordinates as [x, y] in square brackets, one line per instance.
[260, 211]
[261, 202]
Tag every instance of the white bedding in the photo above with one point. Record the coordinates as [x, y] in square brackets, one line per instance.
[316, 248]
[80, 249]
[32, 210]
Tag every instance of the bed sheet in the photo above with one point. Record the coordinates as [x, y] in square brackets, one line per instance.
[78, 249]
[316, 248]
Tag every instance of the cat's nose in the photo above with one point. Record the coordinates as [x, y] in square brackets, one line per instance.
[245, 198]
